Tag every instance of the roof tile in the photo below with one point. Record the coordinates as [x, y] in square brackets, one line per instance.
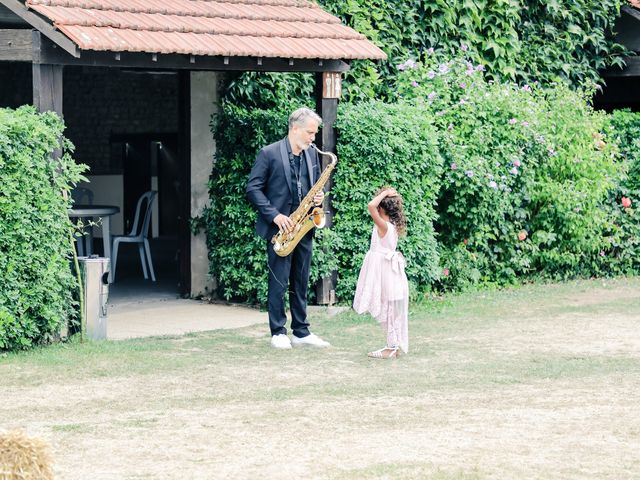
[256, 28]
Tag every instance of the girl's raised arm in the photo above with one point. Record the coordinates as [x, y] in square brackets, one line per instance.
[380, 222]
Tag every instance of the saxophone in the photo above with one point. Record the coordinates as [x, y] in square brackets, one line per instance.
[306, 216]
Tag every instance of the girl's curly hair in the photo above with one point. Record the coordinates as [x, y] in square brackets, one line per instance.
[393, 207]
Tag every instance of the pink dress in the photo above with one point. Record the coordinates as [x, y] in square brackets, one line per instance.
[382, 288]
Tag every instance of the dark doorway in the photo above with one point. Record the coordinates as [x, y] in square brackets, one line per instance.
[150, 162]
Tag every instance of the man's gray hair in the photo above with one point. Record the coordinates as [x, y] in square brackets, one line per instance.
[301, 115]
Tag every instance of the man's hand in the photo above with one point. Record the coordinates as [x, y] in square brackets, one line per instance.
[318, 198]
[283, 222]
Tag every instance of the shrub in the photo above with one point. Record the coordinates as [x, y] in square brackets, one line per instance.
[237, 256]
[374, 149]
[36, 283]
[523, 178]
[384, 144]
[622, 256]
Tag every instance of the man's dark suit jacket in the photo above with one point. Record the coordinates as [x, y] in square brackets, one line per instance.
[269, 185]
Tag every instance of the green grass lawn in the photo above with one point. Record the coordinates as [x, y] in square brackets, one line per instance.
[540, 381]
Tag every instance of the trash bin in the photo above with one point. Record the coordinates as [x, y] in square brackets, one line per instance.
[95, 281]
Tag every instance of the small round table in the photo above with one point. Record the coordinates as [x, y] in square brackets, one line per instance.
[103, 212]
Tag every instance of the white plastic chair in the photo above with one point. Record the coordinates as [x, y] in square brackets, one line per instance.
[138, 234]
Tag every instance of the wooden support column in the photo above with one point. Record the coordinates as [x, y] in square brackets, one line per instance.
[328, 92]
[47, 80]
[47, 88]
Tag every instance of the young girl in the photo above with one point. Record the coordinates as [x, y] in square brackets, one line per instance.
[382, 288]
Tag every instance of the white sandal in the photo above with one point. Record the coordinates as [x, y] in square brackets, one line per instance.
[385, 353]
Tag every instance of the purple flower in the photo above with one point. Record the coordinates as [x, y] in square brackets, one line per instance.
[552, 152]
[469, 173]
[540, 139]
[454, 165]
[463, 85]
[432, 95]
[462, 101]
[493, 184]
[443, 68]
[602, 254]
[430, 50]
[480, 68]
[408, 64]
[513, 121]
[516, 163]
[526, 88]
[464, 47]
[431, 74]
[450, 127]
[525, 123]
[414, 84]
[513, 171]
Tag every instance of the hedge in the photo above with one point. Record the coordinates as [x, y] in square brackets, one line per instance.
[36, 282]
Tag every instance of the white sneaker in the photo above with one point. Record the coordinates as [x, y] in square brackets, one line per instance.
[311, 340]
[280, 341]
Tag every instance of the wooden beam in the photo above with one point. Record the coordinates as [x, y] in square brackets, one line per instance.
[49, 53]
[630, 11]
[16, 45]
[42, 25]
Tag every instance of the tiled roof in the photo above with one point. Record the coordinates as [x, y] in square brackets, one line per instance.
[252, 28]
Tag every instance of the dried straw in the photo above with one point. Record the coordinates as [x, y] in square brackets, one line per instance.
[24, 458]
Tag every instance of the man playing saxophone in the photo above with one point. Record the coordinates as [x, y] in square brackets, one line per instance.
[282, 175]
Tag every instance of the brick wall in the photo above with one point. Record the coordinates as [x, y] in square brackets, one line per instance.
[100, 102]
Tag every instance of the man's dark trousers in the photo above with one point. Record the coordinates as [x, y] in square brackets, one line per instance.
[291, 271]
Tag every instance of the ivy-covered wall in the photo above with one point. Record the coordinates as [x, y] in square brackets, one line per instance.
[525, 41]
[529, 175]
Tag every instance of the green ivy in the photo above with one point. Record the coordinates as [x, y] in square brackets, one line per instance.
[36, 281]
[523, 41]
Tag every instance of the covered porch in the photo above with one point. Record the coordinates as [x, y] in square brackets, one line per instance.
[137, 86]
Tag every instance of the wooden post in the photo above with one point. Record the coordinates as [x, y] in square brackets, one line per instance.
[47, 88]
[328, 91]
[47, 81]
